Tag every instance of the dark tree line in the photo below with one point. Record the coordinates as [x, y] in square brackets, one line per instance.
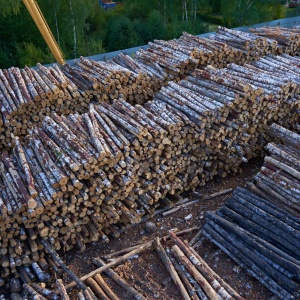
[82, 27]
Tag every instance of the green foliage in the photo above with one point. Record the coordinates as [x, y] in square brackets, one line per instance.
[121, 34]
[94, 46]
[28, 54]
[213, 19]
[83, 27]
[11, 6]
[245, 12]
[216, 6]
[155, 27]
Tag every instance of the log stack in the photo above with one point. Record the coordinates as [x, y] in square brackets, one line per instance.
[28, 95]
[151, 78]
[82, 177]
[278, 179]
[210, 51]
[249, 45]
[284, 66]
[121, 77]
[174, 60]
[288, 39]
[262, 238]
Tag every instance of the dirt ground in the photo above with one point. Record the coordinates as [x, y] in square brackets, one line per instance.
[146, 272]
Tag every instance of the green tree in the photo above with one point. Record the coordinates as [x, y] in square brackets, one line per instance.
[216, 6]
[245, 12]
[155, 27]
[6, 7]
[122, 34]
[29, 54]
[69, 21]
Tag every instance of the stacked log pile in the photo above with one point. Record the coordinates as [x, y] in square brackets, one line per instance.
[192, 275]
[209, 51]
[279, 179]
[77, 176]
[283, 66]
[262, 238]
[288, 39]
[247, 46]
[82, 177]
[28, 95]
[174, 60]
[150, 78]
[99, 168]
[121, 77]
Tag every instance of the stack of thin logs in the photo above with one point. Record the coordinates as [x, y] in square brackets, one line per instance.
[151, 77]
[233, 125]
[167, 143]
[288, 39]
[191, 274]
[209, 51]
[82, 177]
[284, 68]
[279, 178]
[251, 46]
[120, 77]
[67, 181]
[28, 95]
[260, 237]
[174, 60]
[181, 56]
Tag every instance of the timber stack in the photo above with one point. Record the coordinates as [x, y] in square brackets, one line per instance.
[174, 60]
[152, 78]
[251, 46]
[28, 95]
[210, 51]
[288, 39]
[260, 237]
[279, 178]
[283, 66]
[120, 77]
[259, 228]
[81, 178]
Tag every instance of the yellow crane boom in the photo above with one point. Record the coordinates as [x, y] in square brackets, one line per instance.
[43, 27]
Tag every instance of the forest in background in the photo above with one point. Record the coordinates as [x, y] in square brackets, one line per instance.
[83, 27]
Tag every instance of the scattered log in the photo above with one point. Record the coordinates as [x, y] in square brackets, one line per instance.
[119, 280]
[201, 268]
[198, 277]
[169, 266]
[107, 266]
[62, 290]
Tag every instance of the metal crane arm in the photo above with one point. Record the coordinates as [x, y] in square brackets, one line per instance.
[43, 27]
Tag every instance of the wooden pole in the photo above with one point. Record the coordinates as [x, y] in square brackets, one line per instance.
[169, 266]
[111, 264]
